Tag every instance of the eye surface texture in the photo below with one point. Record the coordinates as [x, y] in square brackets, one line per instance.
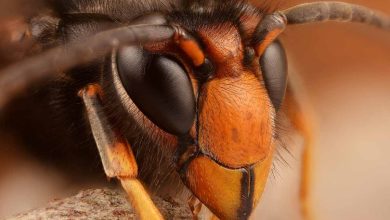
[159, 86]
[273, 63]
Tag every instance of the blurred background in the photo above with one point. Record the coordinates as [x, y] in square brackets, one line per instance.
[345, 69]
[346, 72]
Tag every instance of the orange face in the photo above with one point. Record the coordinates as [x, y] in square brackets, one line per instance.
[226, 157]
[233, 130]
[235, 114]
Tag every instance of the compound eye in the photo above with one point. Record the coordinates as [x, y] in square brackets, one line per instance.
[160, 87]
[273, 64]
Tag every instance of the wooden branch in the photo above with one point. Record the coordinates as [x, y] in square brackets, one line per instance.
[101, 204]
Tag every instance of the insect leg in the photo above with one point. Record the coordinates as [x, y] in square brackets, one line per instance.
[116, 154]
[299, 116]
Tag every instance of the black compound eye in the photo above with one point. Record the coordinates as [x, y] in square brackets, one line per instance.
[159, 86]
[273, 64]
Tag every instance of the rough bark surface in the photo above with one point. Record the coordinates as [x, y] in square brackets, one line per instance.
[101, 204]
